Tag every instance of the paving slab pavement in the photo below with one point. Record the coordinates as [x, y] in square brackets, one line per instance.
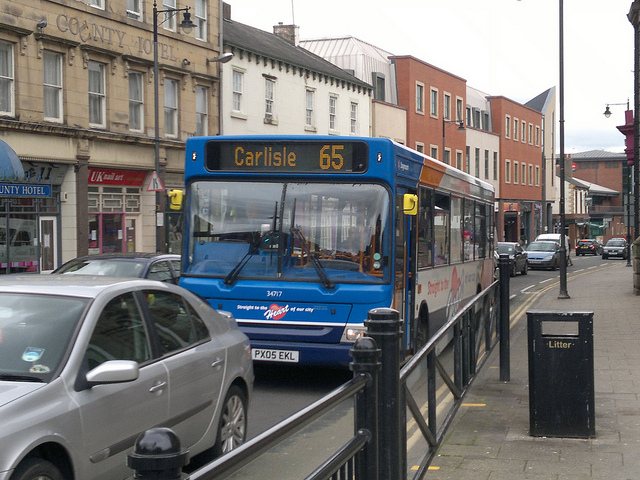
[489, 437]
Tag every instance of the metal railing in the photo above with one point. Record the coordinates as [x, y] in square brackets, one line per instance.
[383, 391]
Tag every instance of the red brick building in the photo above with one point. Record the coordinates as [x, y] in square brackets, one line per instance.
[519, 203]
[436, 104]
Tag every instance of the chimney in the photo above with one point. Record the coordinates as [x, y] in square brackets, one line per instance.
[226, 11]
[289, 33]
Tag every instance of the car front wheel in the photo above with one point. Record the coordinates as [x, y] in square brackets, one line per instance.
[36, 469]
[232, 428]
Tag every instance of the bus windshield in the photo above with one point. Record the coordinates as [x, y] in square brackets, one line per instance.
[291, 231]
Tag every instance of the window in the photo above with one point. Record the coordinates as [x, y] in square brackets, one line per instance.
[467, 228]
[447, 106]
[507, 126]
[486, 121]
[310, 120]
[530, 174]
[119, 334]
[459, 160]
[7, 87]
[467, 161]
[202, 111]
[516, 172]
[238, 86]
[96, 3]
[333, 102]
[459, 110]
[495, 165]
[434, 102]
[176, 328]
[136, 105]
[537, 176]
[477, 172]
[476, 118]
[523, 177]
[97, 96]
[523, 135]
[441, 223]
[134, 9]
[486, 164]
[434, 152]
[456, 230]
[354, 118]
[425, 228]
[420, 147]
[507, 171]
[169, 17]
[419, 98]
[171, 107]
[468, 109]
[269, 98]
[537, 136]
[201, 19]
[446, 156]
[52, 83]
[378, 86]
[515, 129]
[530, 134]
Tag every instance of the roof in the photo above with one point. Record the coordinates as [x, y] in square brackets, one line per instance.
[598, 155]
[541, 102]
[593, 188]
[269, 45]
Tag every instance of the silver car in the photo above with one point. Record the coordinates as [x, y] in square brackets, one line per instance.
[87, 363]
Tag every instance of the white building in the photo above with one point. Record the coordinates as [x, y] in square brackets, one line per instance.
[273, 86]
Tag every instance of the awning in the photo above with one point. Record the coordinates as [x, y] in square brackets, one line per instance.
[10, 165]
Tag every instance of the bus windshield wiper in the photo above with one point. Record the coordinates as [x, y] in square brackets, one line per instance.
[253, 249]
[314, 260]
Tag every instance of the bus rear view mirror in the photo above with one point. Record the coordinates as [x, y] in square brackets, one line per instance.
[410, 204]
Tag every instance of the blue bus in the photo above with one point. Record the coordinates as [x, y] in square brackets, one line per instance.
[299, 237]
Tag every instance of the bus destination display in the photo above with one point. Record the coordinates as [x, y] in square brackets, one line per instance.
[287, 157]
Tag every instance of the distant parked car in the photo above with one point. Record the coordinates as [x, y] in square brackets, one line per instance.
[154, 266]
[517, 257]
[555, 237]
[543, 255]
[89, 363]
[588, 246]
[616, 247]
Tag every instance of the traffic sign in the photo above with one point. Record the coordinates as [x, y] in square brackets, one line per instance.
[155, 184]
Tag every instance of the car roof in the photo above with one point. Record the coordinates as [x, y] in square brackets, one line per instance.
[129, 256]
[88, 286]
[508, 243]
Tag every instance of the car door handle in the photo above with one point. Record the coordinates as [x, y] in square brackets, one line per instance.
[158, 387]
[218, 363]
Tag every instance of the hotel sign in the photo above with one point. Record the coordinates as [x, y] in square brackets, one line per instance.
[25, 190]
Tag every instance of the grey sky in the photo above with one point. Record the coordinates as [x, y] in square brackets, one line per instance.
[501, 47]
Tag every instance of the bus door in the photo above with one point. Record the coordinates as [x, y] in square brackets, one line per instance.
[404, 274]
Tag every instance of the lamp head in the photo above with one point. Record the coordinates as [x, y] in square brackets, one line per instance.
[186, 23]
[607, 112]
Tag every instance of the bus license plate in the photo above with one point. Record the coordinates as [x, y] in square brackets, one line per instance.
[264, 355]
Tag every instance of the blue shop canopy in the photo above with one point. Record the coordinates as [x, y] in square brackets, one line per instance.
[10, 165]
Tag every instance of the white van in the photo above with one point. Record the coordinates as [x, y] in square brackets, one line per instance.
[554, 237]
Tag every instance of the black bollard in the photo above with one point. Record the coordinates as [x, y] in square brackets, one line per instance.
[505, 347]
[157, 455]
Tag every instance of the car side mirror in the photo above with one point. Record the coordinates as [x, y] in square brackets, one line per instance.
[112, 371]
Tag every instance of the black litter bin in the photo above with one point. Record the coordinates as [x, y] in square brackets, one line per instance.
[561, 386]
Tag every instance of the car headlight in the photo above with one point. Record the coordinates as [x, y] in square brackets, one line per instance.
[548, 257]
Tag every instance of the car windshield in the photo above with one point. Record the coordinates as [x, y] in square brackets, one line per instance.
[542, 247]
[505, 248]
[615, 243]
[112, 267]
[35, 331]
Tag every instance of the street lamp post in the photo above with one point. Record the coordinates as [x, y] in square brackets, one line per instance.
[626, 185]
[186, 23]
[633, 17]
[563, 294]
[461, 128]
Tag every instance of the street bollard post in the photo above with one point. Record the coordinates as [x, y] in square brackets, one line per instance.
[157, 455]
[505, 361]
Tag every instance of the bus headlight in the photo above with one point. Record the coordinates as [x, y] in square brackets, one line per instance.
[353, 332]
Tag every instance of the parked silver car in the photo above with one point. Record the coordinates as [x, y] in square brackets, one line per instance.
[87, 363]
[615, 247]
